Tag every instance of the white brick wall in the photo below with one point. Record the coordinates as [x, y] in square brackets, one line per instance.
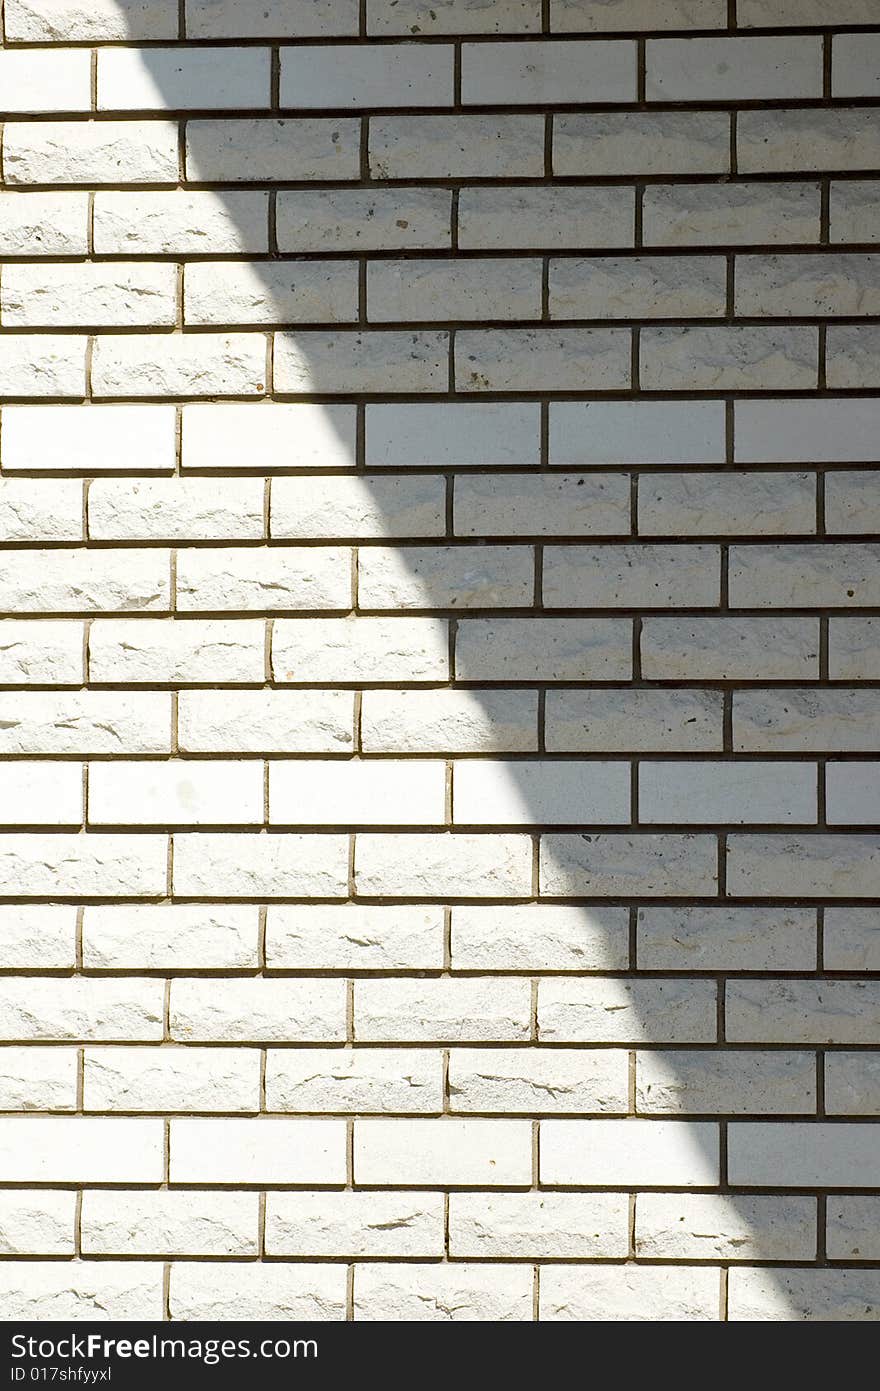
[440, 654]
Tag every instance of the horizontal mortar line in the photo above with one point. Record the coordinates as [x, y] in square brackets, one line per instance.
[351, 328]
[513, 396]
[333, 40]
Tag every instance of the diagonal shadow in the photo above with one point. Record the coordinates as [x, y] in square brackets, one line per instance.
[542, 787]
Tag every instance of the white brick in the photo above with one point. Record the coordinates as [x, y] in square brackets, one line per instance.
[740, 214]
[34, 365]
[553, 649]
[800, 1154]
[249, 866]
[41, 794]
[637, 432]
[597, 1010]
[733, 69]
[181, 221]
[100, 152]
[852, 1229]
[853, 212]
[822, 284]
[37, 1224]
[726, 939]
[36, 1079]
[372, 362]
[642, 865]
[651, 287]
[712, 1082]
[809, 432]
[478, 1010]
[532, 1225]
[635, 576]
[360, 649]
[426, 290]
[557, 216]
[727, 504]
[105, 296]
[730, 793]
[452, 1152]
[852, 939]
[85, 722]
[784, 13]
[367, 75]
[649, 721]
[44, 224]
[265, 1011]
[87, 1290]
[730, 649]
[357, 793]
[67, 866]
[855, 58]
[527, 1080]
[853, 793]
[851, 502]
[259, 1151]
[199, 650]
[354, 1224]
[741, 358]
[543, 359]
[761, 1295]
[443, 1293]
[809, 139]
[233, 19]
[363, 1079]
[452, 435]
[353, 936]
[443, 866]
[852, 1084]
[802, 1011]
[240, 151]
[596, 16]
[228, 364]
[416, 17]
[706, 1226]
[71, 581]
[609, 1153]
[172, 1079]
[41, 936]
[77, 1150]
[257, 292]
[245, 1292]
[78, 1008]
[818, 866]
[854, 649]
[174, 1224]
[312, 508]
[526, 793]
[175, 509]
[265, 721]
[448, 721]
[374, 219]
[542, 505]
[101, 439]
[182, 78]
[181, 793]
[539, 937]
[642, 142]
[45, 81]
[443, 147]
[440, 577]
[276, 436]
[60, 20]
[627, 1294]
[264, 580]
[547, 72]
[38, 510]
